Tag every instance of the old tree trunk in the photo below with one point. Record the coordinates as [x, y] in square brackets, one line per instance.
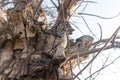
[32, 49]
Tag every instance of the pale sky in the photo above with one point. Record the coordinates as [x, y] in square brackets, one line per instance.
[104, 8]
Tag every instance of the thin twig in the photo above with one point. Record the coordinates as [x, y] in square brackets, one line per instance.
[90, 70]
[101, 33]
[74, 55]
[54, 4]
[90, 1]
[78, 62]
[103, 41]
[76, 9]
[77, 27]
[38, 8]
[88, 27]
[103, 67]
[82, 1]
[99, 16]
[111, 38]
[84, 7]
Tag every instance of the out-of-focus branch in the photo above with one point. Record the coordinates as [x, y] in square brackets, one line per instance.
[38, 8]
[66, 7]
[99, 16]
[105, 45]
[105, 62]
[54, 4]
[101, 33]
[69, 4]
[103, 67]
[73, 56]
[104, 41]
[88, 27]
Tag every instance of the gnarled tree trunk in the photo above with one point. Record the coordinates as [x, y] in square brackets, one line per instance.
[30, 49]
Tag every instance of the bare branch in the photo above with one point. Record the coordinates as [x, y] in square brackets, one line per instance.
[111, 38]
[54, 4]
[74, 55]
[100, 31]
[84, 7]
[104, 41]
[99, 16]
[102, 66]
[38, 8]
[77, 27]
[105, 66]
[90, 1]
[88, 27]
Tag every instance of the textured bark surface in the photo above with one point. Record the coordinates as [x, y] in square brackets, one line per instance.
[32, 50]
